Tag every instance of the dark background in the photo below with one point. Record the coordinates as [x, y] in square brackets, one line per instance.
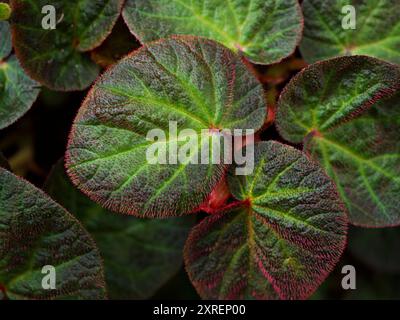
[36, 141]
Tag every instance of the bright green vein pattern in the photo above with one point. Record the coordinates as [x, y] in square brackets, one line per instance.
[197, 83]
[347, 111]
[55, 57]
[265, 31]
[377, 31]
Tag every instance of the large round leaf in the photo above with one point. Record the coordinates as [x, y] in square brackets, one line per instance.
[140, 255]
[265, 31]
[17, 91]
[328, 33]
[191, 82]
[55, 57]
[280, 242]
[338, 109]
[36, 232]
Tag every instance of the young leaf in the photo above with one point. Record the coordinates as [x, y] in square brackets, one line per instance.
[117, 45]
[265, 31]
[329, 31]
[36, 232]
[17, 91]
[54, 54]
[5, 43]
[280, 242]
[338, 109]
[140, 255]
[197, 83]
[378, 248]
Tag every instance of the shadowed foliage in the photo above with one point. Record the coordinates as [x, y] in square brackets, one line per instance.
[376, 33]
[265, 31]
[346, 111]
[17, 91]
[378, 248]
[55, 57]
[36, 232]
[280, 241]
[195, 82]
[3, 162]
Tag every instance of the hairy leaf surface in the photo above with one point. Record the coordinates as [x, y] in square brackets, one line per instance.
[197, 83]
[376, 33]
[36, 232]
[3, 162]
[265, 31]
[346, 111]
[18, 92]
[117, 45]
[55, 57]
[5, 11]
[5, 43]
[280, 242]
[140, 255]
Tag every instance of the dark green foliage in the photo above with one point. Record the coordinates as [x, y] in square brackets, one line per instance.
[56, 57]
[346, 112]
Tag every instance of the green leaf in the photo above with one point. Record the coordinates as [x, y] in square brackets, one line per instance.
[377, 248]
[117, 45]
[5, 11]
[376, 33]
[140, 255]
[5, 36]
[36, 232]
[3, 162]
[197, 83]
[280, 242]
[17, 92]
[264, 31]
[55, 57]
[338, 109]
